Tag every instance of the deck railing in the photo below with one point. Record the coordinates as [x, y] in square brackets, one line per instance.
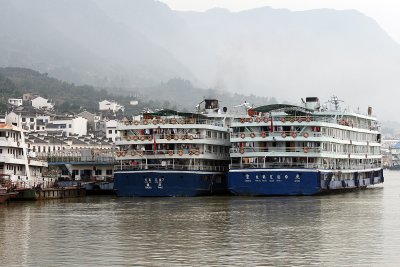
[169, 153]
[305, 165]
[301, 149]
[169, 167]
[174, 121]
[168, 136]
[288, 120]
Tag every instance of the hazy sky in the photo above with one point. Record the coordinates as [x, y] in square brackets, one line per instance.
[385, 12]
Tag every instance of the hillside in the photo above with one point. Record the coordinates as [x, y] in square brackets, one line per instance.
[66, 96]
[76, 41]
[267, 52]
[176, 93]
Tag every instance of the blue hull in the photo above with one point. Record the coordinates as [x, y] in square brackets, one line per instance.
[270, 182]
[169, 183]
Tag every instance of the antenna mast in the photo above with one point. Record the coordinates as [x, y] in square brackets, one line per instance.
[335, 101]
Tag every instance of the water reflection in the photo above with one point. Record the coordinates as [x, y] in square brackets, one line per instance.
[344, 229]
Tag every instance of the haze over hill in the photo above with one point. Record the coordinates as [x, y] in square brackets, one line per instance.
[264, 51]
[174, 94]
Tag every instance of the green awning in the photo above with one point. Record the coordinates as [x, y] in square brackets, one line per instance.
[289, 109]
[170, 112]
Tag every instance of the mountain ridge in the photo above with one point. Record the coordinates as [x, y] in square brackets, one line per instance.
[263, 51]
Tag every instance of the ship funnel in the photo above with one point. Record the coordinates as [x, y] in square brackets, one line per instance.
[312, 103]
[369, 111]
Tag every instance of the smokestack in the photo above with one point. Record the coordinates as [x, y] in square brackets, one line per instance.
[369, 111]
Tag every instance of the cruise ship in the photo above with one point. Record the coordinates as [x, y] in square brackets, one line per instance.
[17, 169]
[308, 149]
[170, 153]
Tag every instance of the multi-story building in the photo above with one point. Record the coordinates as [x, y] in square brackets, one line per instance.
[68, 126]
[111, 130]
[15, 161]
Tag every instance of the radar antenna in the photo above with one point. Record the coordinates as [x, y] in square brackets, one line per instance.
[335, 101]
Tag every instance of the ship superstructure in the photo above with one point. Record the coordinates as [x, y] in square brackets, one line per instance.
[303, 150]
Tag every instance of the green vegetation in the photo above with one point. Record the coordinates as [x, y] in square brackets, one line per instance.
[67, 97]
[177, 94]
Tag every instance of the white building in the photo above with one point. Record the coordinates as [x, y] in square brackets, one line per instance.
[111, 130]
[15, 102]
[110, 105]
[134, 102]
[14, 160]
[24, 117]
[42, 103]
[68, 126]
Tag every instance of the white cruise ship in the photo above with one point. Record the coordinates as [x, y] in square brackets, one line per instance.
[304, 150]
[170, 153]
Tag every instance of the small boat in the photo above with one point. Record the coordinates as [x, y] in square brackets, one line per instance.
[5, 194]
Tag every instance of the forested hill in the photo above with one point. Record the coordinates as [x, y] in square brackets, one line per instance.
[67, 97]
[176, 93]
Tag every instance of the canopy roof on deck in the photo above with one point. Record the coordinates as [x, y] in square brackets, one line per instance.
[170, 112]
[289, 109]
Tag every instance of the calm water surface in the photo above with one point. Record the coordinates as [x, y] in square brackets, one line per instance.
[353, 229]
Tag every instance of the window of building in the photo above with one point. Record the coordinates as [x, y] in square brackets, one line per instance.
[32, 119]
[23, 119]
[69, 125]
[110, 131]
[109, 172]
[98, 172]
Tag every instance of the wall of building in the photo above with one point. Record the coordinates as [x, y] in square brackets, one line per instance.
[15, 101]
[42, 103]
[73, 126]
[111, 130]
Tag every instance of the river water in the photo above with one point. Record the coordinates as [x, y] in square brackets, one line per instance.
[359, 228]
